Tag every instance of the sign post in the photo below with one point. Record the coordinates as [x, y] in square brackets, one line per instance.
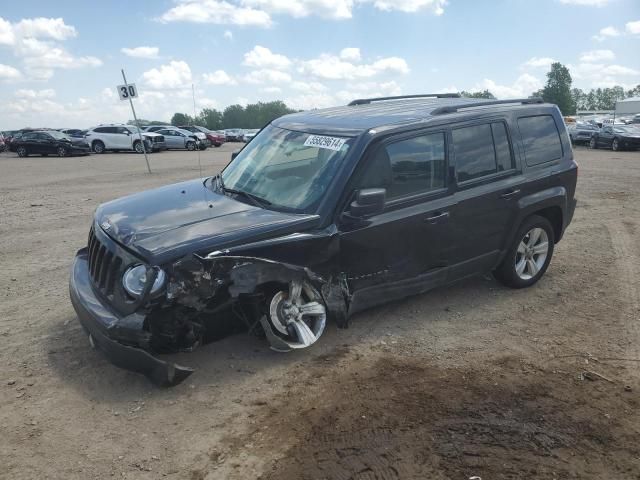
[128, 91]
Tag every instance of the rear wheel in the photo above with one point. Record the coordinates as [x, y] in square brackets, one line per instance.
[62, 152]
[592, 143]
[530, 254]
[22, 152]
[97, 146]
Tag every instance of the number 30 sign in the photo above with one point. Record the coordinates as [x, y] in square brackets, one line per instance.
[127, 91]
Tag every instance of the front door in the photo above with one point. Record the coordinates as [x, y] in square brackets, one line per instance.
[605, 137]
[404, 249]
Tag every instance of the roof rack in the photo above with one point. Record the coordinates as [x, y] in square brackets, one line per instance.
[476, 104]
[365, 101]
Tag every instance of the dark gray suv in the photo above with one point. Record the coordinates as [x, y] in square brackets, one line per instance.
[324, 214]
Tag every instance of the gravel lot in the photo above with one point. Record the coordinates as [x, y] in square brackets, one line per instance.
[471, 380]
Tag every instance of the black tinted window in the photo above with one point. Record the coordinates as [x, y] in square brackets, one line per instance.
[475, 155]
[503, 151]
[100, 130]
[28, 136]
[409, 166]
[541, 139]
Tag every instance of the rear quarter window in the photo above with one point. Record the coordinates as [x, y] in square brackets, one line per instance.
[541, 139]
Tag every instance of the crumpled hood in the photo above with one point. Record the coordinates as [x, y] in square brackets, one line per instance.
[169, 222]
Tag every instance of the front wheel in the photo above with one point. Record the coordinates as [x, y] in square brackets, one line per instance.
[615, 145]
[593, 144]
[530, 254]
[22, 152]
[138, 147]
[191, 146]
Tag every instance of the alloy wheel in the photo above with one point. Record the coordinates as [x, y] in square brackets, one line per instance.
[298, 315]
[592, 143]
[22, 152]
[615, 145]
[532, 253]
[62, 152]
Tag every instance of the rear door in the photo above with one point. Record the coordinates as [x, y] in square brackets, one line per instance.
[404, 249]
[487, 191]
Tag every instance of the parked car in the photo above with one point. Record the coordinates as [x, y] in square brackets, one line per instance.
[249, 134]
[616, 137]
[179, 138]
[3, 145]
[581, 132]
[119, 137]
[49, 142]
[214, 138]
[233, 134]
[324, 214]
[73, 132]
[204, 143]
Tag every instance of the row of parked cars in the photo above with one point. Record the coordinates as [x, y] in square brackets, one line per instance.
[116, 138]
[616, 136]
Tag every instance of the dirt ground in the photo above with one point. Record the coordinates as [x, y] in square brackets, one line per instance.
[472, 380]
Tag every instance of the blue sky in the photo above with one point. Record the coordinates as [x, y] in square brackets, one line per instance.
[60, 61]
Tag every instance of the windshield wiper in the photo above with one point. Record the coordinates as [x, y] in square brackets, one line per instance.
[256, 200]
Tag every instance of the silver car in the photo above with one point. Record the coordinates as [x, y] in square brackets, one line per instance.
[178, 138]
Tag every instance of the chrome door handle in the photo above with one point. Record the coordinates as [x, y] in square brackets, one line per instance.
[510, 193]
[438, 216]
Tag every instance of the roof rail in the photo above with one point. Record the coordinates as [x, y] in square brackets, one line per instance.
[365, 101]
[455, 108]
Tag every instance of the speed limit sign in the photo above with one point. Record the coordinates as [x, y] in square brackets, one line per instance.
[127, 91]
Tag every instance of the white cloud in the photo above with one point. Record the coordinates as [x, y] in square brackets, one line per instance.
[538, 62]
[606, 32]
[228, 35]
[216, 12]
[272, 90]
[524, 85]
[141, 52]
[619, 70]
[175, 74]
[316, 95]
[267, 75]
[633, 28]
[409, 6]
[36, 41]
[588, 3]
[309, 87]
[261, 57]
[597, 56]
[7, 72]
[219, 77]
[50, 28]
[330, 67]
[333, 9]
[350, 54]
[26, 93]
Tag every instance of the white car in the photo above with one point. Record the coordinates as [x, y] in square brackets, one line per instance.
[119, 137]
[249, 134]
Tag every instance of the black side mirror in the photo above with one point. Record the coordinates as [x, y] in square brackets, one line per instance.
[369, 201]
[235, 154]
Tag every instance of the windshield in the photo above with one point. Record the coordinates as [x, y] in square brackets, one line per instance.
[58, 135]
[629, 129]
[287, 169]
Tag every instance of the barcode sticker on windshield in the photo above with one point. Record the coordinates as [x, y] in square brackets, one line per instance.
[319, 141]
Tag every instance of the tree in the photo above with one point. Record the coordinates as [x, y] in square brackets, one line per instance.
[558, 89]
[483, 94]
[210, 118]
[181, 119]
[233, 116]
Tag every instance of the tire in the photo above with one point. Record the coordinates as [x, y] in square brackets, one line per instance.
[592, 143]
[522, 266]
[138, 147]
[61, 151]
[97, 147]
[44, 154]
[615, 145]
[191, 146]
[22, 152]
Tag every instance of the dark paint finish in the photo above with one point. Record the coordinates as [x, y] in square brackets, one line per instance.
[42, 143]
[406, 246]
[629, 138]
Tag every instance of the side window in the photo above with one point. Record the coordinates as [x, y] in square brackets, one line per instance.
[100, 130]
[504, 159]
[122, 130]
[474, 152]
[541, 139]
[406, 167]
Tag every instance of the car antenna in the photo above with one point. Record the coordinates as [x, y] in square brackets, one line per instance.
[193, 95]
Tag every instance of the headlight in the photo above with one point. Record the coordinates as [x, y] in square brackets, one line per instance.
[135, 279]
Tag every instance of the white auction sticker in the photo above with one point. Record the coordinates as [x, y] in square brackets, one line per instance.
[319, 141]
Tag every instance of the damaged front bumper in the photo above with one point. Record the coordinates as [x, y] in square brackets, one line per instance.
[107, 331]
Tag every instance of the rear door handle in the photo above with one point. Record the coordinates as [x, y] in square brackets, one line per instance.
[510, 193]
[437, 217]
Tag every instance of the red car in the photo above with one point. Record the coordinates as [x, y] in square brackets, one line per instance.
[216, 138]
